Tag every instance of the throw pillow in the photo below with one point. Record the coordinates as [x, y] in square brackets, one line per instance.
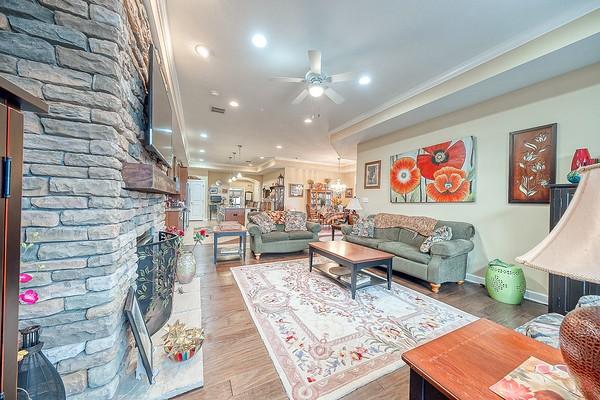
[295, 221]
[278, 217]
[364, 227]
[263, 221]
[441, 234]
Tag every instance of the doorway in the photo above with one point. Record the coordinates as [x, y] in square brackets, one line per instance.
[197, 199]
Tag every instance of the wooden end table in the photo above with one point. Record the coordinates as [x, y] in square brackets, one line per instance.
[335, 227]
[463, 364]
[355, 258]
[223, 231]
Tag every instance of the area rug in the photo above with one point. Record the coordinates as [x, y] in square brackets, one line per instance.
[324, 344]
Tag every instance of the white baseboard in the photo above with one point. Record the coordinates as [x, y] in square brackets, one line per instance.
[529, 294]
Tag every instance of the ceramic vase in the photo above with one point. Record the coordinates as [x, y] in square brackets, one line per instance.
[186, 267]
[581, 158]
[580, 348]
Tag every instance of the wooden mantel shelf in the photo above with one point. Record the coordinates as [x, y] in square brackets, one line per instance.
[147, 178]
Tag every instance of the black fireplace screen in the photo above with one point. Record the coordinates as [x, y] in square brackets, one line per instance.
[157, 263]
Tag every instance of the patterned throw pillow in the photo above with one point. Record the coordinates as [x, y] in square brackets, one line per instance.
[263, 221]
[295, 221]
[364, 227]
[278, 217]
[441, 234]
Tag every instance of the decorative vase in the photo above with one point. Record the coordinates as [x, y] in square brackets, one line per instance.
[581, 158]
[574, 176]
[505, 282]
[580, 348]
[186, 267]
[37, 378]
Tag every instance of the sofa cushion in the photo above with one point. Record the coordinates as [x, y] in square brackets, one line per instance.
[300, 235]
[390, 234]
[544, 328]
[410, 237]
[441, 234]
[364, 227]
[405, 251]
[278, 217]
[295, 221]
[263, 221]
[274, 236]
[364, 241]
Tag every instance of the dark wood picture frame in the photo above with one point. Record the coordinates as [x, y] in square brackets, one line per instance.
[372, 185]
[543, 140]
[143, 340]
[349, 193]
[296, 190]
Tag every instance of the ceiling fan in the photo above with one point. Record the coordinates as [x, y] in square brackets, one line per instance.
[317, 82]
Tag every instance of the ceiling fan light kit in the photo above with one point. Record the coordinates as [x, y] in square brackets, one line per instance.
[316, 90]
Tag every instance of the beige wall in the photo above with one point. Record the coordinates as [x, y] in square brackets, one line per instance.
[503, 230]
[302, 175]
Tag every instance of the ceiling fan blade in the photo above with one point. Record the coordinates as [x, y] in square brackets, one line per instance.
[334, 96]
[346, 76]
[314, 59]
[287, 79]
[300, 97]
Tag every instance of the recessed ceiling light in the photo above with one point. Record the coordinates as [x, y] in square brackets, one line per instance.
[316, 90]
[234, 103]
[202, 51]
[279, 146]
[213, 93]
[204, 135]
[259, 40]
[262, 158]
[364, 80]
[308, 121]
[202, 151]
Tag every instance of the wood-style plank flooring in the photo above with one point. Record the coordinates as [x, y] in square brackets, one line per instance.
[237, 365]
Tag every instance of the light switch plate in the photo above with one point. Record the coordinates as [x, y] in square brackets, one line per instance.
[365, 199]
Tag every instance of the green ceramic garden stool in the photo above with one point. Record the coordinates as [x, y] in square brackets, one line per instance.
[505, 282]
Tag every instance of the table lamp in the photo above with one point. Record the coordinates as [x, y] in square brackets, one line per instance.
[353, 206]
[572, 249]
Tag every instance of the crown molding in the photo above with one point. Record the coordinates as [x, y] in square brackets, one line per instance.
[279, 163]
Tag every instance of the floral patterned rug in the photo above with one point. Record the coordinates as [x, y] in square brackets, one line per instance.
[324, 344]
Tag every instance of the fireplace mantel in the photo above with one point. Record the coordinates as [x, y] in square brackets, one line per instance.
[147, 178]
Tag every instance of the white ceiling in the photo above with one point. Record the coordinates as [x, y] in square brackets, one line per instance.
[401, 45]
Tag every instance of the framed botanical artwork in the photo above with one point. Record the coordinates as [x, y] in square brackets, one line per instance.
[296, 189]
[372, 175]
[142, 338]
[441, 173]
[349, 193]
[532, 164]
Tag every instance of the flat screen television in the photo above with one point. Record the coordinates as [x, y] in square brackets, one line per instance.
[158, 138]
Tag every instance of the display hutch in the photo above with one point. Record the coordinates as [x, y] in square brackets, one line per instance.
[13, 100]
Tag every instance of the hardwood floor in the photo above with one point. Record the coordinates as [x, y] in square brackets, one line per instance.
[237, 365]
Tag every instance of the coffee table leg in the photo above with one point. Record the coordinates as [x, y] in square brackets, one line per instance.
[353, 283]
[310, 259]
[332, 234]
[389, 274]
[244, 247]
[215, 239]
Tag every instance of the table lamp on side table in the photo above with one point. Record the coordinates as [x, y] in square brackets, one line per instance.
[572, 250]
[353, 206]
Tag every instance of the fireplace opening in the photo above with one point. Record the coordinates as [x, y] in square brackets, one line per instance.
[157, 261]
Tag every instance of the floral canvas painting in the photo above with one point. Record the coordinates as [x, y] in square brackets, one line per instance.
[536, 379]
[442, 173]
[532, 164]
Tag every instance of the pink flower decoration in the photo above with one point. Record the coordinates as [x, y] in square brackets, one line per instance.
[513, 390]
[24, 278]
[543, 369]
[29, 297]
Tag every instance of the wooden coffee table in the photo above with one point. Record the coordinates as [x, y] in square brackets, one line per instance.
[463, 364]
[354, 258]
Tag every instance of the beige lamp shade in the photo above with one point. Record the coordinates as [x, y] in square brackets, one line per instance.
[572, 249]
[354, 204]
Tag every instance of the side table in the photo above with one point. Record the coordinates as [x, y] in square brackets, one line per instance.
[220, 231]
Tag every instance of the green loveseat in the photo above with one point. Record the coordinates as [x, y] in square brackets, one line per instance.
[280, 241]
[446, 261]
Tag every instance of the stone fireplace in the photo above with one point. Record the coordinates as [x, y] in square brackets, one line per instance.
[88, 59]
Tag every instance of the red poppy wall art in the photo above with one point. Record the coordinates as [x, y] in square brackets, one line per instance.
[532, 164]
[442, 173]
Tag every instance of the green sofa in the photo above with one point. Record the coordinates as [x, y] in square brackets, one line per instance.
[446, 262]
[280, 241]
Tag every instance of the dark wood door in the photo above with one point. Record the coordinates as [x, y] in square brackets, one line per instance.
[564, 293]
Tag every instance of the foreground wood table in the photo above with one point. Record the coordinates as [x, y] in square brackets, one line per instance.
[355, 258]
[464, 363]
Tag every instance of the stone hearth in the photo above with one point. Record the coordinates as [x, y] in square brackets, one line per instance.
[88, 60]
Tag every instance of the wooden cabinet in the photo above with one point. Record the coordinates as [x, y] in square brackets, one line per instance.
[319, 197]
[234, 214]
[278, 197]
[12, 101]
[563, 292]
